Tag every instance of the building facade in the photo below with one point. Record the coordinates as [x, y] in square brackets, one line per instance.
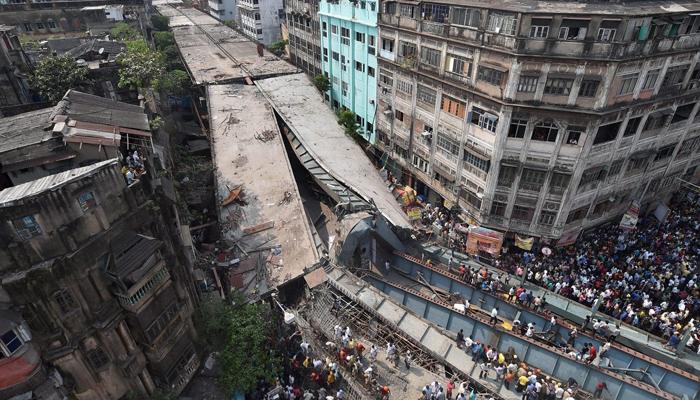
[94, 282]
[14, 69]
[349, 48]
[225, 10]
[260, 19]
[540, 119]
[302, 29]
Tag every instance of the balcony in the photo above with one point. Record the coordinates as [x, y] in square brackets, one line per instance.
[248, 6]
[387, 55]
[459, 78]
[434, 28]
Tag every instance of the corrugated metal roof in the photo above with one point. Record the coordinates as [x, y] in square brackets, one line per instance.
[90, 108]
[25, 129]
[51, 182]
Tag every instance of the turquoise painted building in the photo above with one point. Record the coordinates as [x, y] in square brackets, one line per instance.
[349, 58]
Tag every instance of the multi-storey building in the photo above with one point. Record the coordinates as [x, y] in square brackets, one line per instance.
[349, 48]
[540, 118]
[260, 19]
[14, 69]
[224, 10]
[302, 30]
[93, 277]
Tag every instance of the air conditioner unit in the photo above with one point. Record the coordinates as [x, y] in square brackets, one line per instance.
[387, 112]
[427, 134]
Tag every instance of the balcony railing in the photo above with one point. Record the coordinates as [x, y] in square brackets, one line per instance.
[434, 28]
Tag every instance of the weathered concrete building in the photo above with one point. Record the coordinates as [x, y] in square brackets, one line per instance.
[301, 28]
[14, 69]
[95, 269]
[540, 118]
[260, 19]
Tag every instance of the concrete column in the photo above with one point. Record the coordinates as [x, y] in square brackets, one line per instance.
[147, 381]
[126, 337]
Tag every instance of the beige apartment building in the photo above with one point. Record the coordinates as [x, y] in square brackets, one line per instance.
[541, 118]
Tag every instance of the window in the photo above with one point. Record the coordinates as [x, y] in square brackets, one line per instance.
[325, 54]
[628, 82]
[345, 36]
[344, 88]
[665, 152]
[459, 65]
[370, 71]
[545, 132]
[532, 179]
[447, 146]
[404, 86]
[573, 134]
[359, 66]
[615, 168]
[399, 115]
[465, 16]
[498, 209]
[430, 56]
[484, 119]
[27, 27]
[407, 10]
[606, 133]
[388, 45]
[607, 31]
[577, 214]
[559, 183]
[360, 37]
[157, 326]
[407, 49]
[336, 56]
[97, 358]
[259, 31]
[476, 161]
[539, 31]
[39, 25]
[386, 80]
[591, 175]
[651, 78]
[370, 44]
[655, 121]
[636, 163]
[527, 84]
[589, 88]
[420, 163]
[632, 125]
[490, 75]
[573, 29]
[517, 128]
[522, 213]
[547, 218]
[27, 227]
[86, 201]
[558, 86]
[682, 113]
[11, 341]
[51, 24]
[674, 76]
[257, 17]
[434, 12]
[64, 300]
[506, 175]
[334, 29]
[370, 127]
[426, 95]
[502, 23]
[453, 106]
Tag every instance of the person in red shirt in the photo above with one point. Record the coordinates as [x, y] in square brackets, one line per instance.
[450, 388]
[592, 354]
[385, 392]
[359, 348]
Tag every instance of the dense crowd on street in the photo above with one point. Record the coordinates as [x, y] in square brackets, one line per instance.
[647, 277]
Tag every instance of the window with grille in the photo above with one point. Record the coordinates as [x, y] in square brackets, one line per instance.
[539, 31]
[484, 119]
[435, 12]
[606, 34]
[11, 342]
[407, 49]
[650, 79]
[498, 209]
[545, 132]
[517, 128]
[27, 227]
[522, 213]
[655, 121]
[558, 86]
[156, 328]
[490, 75]
[527, 84]
[627, 84]
[615, 168]
[664, 152]
[465, 16]
[589, 87]
[573, 29]
[459, 65]
[390, 7]
[447, 146]
[532, 179]
[97, 358]
[636, 164]
[430, 56]
[426, 95]
[632, 126]
[51, 24]
[476, 161]
[64, 300]
[506, 175]
[407, 10]
[453, 106]
[573, 134]
[577, 214]
[559, 183]
[404, 86]
[591, 175]
[86, 201]
[420, 163]
[547, 218]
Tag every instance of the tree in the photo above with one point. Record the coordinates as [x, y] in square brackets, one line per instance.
[163, 40]
[322, 83]
[140, 66]
[160, 22]
[54, 76]
[348, 120]
[175, 82]
[278, 47]
[124, 32]
[231, 24]
[241, 334]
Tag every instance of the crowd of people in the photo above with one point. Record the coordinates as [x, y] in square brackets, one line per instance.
[647, 277]
[133, 167]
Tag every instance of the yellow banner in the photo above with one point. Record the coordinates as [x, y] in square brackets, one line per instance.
[413, 213]
[524, 243]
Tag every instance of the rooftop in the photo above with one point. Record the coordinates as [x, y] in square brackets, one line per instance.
[111, 47]
[25, 129]
[311, 120]
[49, 183]
[248, 153]
[99, 110]
[215, 53]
